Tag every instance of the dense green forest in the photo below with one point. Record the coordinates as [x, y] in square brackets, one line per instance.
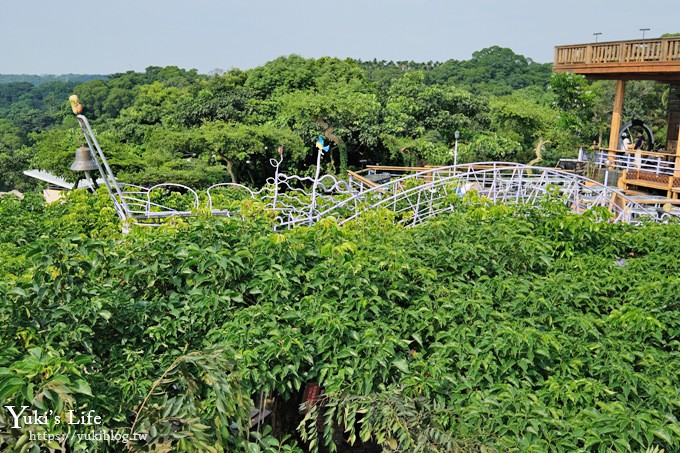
[171, 124]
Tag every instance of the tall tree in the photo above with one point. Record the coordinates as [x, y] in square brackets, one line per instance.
[246, 150]
[344, 113]
[427, 115]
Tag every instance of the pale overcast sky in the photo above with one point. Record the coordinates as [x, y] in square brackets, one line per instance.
[95, 36]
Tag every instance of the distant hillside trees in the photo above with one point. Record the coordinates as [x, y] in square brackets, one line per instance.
[172, 124]
[40, 79]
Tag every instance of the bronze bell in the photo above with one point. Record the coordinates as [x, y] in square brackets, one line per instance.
[83, 161]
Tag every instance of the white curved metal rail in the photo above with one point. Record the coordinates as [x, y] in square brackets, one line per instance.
[413, 198]
[422, 195]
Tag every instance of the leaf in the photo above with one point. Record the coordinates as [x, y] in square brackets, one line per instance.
[105, 314]
[53, 445]
[18, 291]
[401, 364]
[8, 387]
[661, 433]
[253, 448]
[81, 386]
[82, 359]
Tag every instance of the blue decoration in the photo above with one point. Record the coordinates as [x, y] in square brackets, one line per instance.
[320, 144]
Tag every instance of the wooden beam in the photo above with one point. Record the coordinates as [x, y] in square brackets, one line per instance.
[397, 168]
[662, 72]
[367, 182]
[616, 118]
[655, 77]
[615, 67]
[669, 154]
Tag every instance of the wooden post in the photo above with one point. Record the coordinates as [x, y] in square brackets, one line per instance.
[616, 119]
[664, 49]
[673, 142]
[676, 172]
[673, 116]
[677, 156]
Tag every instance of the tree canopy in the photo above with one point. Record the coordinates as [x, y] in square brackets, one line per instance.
[170, 123]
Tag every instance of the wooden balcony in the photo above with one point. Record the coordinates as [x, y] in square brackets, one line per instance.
[645, 59]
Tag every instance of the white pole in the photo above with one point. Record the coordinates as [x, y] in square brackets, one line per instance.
[455, 149]
[455, 154]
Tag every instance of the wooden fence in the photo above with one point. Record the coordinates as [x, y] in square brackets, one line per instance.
[647, 50]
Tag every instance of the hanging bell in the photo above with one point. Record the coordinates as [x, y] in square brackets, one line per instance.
[83, 160]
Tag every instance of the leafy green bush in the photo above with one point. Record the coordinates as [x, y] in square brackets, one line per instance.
[488, 328]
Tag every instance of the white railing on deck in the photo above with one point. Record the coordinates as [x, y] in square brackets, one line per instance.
[633, 160]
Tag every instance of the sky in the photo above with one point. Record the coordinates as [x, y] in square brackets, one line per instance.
[104, 37]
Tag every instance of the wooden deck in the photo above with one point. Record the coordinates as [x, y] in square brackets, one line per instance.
[645, 59]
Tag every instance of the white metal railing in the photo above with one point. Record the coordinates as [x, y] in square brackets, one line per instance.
[499, 182]
[632, 160]
[414, 197]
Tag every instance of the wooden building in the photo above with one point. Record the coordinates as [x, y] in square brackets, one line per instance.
[647, 59]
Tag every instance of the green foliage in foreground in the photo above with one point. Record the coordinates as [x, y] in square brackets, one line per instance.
[488, 329]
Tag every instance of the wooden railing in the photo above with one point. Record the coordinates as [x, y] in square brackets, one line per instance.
[647, 50]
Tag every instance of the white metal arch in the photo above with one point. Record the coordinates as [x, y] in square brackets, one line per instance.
[419, 196]
[300, 200]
